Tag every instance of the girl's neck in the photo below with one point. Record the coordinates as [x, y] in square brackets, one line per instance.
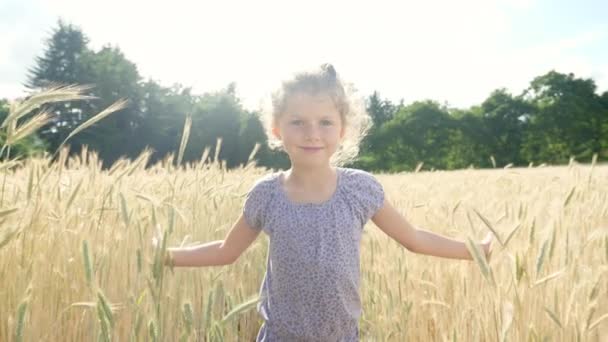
[310, 177]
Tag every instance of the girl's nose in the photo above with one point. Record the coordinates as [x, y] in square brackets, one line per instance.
[311, 132]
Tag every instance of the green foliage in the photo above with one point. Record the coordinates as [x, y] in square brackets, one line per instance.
[570, 119]
[419, 132]
[503, 124]
[29, 146]
[557, 117]
[61, 61]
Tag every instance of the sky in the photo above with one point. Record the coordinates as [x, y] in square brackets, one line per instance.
[453, 52]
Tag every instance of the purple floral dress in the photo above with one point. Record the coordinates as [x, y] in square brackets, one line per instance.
[310, 291]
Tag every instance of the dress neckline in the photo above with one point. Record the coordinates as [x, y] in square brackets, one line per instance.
[280, 177]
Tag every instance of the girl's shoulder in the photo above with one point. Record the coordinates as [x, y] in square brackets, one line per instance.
[356, 176]
[363, 190]
[264, 185]
[258, 200]
[267, 179]
[359, 182]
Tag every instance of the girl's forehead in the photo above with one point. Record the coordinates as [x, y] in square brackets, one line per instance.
[305, 104]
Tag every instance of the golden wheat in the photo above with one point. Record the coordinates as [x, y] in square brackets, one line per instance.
[78, 237]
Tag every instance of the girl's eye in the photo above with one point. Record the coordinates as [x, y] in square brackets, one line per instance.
[326, 123]
[296, 122]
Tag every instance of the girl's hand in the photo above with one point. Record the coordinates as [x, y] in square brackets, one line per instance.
[167, 258]
[486, 243]
[155, 242]
[157, 238]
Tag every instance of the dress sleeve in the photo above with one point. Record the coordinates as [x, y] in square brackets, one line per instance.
[367, 193]
[373, 198]
[254, 209]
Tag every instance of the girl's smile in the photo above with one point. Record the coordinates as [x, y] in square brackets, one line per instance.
[311, 149]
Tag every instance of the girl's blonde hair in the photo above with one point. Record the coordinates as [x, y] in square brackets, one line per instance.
[323, 81]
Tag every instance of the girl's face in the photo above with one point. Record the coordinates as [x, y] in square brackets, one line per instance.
[310, 129]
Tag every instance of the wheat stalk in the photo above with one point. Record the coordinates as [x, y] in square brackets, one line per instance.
[116, 106]
[54, 94]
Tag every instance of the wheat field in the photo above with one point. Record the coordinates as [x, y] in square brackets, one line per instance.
[77, 263]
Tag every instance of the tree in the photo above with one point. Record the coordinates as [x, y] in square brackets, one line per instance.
[570, 119]
[68, 60]
[604, 141]
[420, 132]
[380, 110]
[469, 142]
[163, 111]
[61, 63]
[114, 77]
[504, 119]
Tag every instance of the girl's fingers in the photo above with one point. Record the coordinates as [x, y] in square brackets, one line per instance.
[488, 237]
[487, 245]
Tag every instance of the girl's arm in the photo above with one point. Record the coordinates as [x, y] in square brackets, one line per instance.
[421, 241]
[215, 253]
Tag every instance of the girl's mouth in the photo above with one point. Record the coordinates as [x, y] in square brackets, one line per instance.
[311, 149]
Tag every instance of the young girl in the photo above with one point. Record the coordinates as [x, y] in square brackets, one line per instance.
[314, 214]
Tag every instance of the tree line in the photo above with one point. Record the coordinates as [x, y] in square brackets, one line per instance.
[558, 117]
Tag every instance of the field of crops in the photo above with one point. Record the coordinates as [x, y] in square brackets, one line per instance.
[77, 264]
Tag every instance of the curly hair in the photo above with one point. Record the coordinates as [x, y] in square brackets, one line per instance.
[323, 80]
